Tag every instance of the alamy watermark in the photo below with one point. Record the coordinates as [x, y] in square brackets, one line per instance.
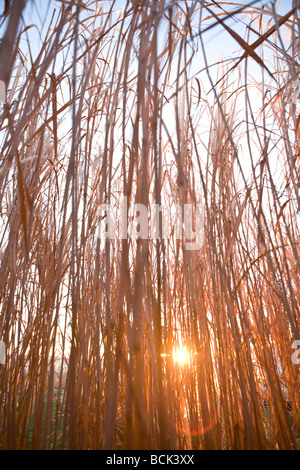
[2, 92]
[296, 354]
[2, 352]
[296, 92]
[155, 222]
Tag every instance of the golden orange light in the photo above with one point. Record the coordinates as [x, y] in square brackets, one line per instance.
[181, 356]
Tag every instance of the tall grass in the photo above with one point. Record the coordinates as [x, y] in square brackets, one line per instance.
[111, 104]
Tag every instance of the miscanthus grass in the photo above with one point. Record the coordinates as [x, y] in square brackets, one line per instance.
[106, 100]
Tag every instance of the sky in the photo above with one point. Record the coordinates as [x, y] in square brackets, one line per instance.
[219, 45]
[217, 41]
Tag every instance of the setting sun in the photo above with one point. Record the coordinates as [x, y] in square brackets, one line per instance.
[181, 355]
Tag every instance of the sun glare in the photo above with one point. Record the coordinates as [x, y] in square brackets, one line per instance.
[181, 356]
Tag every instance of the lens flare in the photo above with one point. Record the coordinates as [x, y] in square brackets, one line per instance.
[181, 356]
